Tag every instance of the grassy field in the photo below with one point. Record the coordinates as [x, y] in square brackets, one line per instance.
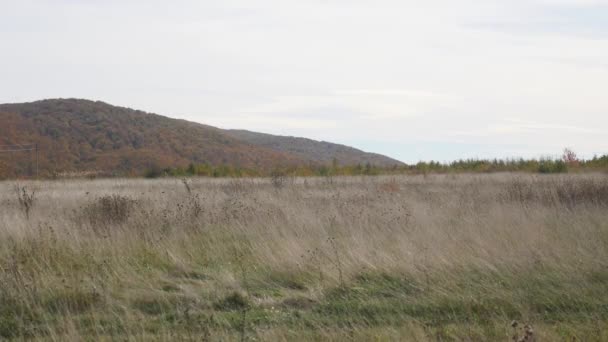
[435, 258]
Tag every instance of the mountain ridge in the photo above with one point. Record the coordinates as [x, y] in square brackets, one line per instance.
[310, 149]
[81, 135]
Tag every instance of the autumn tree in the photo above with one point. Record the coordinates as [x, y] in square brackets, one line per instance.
[570, 158]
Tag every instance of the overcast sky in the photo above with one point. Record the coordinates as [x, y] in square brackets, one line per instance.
[416, 80]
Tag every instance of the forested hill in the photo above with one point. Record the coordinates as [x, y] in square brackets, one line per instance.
[76, 135]
[312, 150]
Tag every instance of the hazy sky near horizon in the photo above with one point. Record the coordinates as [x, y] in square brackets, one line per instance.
[416, 80]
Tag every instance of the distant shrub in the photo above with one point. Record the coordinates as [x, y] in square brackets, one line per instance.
[278, 179]
[110, 209]
[552, 166]
[154, 172]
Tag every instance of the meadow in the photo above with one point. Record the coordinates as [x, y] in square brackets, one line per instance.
[455, 257]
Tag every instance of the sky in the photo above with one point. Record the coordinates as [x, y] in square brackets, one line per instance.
[415, 80]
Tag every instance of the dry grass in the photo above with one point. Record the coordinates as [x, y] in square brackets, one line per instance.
[400, 258]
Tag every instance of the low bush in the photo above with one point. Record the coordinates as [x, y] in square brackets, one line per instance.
[110, 209]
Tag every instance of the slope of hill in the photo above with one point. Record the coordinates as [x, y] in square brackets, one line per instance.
[80, 135]
[312, 150]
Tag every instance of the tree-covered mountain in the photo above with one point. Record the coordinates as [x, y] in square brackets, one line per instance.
[76, 135]
[311, 150]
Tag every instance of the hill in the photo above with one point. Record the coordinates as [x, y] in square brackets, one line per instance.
[76, 135]
[312, 150]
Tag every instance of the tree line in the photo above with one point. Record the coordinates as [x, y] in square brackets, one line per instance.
[569, 162]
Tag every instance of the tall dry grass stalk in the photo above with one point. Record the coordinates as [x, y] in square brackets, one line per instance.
[122, 258]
